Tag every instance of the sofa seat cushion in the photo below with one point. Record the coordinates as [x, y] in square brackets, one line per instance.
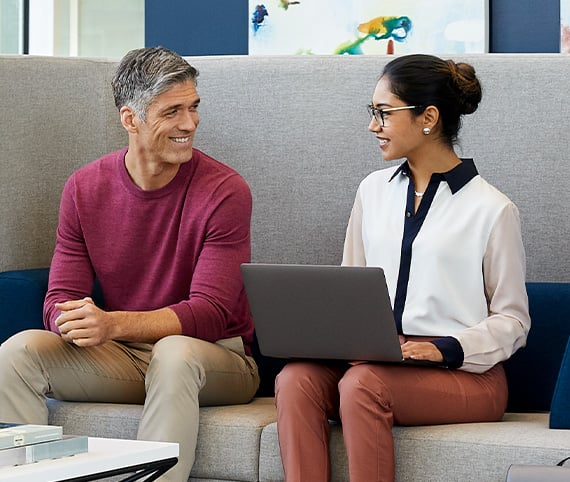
[474, 451]
[228, 439]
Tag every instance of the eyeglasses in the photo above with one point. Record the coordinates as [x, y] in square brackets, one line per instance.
[380, 114]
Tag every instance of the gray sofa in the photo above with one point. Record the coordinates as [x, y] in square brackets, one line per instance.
[296, 128]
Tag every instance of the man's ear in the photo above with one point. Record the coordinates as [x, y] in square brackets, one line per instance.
[128, 119]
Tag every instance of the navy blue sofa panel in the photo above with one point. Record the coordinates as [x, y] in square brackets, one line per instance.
[532, 372]
[22, 294]
[21, 300]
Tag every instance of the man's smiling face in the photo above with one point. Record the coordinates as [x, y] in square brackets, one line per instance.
[167, 134]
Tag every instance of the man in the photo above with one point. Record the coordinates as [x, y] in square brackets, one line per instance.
[164, 229]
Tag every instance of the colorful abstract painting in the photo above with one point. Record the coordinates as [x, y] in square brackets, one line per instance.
[565, 26]
[367, 26]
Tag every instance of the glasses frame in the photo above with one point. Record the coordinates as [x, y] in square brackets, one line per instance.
[378, 114]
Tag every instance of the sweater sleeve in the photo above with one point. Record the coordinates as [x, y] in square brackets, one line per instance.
[216, 293]
[71, 274]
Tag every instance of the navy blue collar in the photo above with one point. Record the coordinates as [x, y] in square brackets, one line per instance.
[456, 178]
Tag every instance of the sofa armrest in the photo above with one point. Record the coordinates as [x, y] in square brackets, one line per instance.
[22, 296]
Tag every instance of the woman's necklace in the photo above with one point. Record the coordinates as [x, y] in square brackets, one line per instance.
[418, 194]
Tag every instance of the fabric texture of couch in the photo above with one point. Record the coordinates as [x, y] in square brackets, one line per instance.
[296, 128]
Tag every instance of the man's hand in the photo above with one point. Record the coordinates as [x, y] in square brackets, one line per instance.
[83, 324]
[421, 350]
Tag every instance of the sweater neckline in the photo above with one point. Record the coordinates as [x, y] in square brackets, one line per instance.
[179, 179]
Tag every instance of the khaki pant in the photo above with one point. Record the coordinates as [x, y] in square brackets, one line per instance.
[369, 399]
[172, 378]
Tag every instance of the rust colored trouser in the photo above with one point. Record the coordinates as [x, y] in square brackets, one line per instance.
[369, 399]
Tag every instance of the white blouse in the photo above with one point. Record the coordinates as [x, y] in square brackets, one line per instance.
[466, 275]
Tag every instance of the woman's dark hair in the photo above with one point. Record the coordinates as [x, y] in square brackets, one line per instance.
[425, 80]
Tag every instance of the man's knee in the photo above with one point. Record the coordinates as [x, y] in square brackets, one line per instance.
[26, 344]
[178, 351]
[177, 359]
[21, 358]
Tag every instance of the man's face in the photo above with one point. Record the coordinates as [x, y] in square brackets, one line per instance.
[167, 134]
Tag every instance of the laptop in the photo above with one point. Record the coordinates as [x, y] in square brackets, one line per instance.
[322, 312]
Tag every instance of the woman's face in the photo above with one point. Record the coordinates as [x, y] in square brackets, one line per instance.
[402, 133]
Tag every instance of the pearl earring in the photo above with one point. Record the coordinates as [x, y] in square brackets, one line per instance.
[426, 131]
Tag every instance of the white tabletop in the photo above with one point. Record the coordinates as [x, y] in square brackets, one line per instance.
[103, 455]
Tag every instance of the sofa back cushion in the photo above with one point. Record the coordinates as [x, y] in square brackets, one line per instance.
[296, 128]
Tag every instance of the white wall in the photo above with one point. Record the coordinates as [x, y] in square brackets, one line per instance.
[87, 28]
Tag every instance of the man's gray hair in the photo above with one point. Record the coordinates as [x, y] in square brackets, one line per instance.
[145, 73]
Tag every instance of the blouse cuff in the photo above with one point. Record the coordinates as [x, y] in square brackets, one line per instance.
[451, 350]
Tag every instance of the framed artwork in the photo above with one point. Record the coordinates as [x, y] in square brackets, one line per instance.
[353, 27]
[565, 26]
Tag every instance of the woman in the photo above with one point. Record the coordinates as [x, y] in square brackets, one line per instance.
[450, 245]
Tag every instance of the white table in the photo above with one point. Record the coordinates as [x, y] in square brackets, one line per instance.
[105, 457]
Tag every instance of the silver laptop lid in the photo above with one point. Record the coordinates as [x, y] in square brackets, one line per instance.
[322, 312]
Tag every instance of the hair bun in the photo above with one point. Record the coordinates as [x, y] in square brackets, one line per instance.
[467, 86]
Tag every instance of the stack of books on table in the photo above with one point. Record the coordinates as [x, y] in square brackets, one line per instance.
[26, 443]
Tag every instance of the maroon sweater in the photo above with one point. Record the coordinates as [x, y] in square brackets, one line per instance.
[179, 247]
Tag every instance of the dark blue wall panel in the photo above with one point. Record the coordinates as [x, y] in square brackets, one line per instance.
[197, 27]
[219, 27]
[525, 26]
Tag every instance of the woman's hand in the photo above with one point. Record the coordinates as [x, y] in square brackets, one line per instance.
[421, 350]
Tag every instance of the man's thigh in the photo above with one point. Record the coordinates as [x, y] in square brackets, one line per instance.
[112, 372]
[229, 376]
